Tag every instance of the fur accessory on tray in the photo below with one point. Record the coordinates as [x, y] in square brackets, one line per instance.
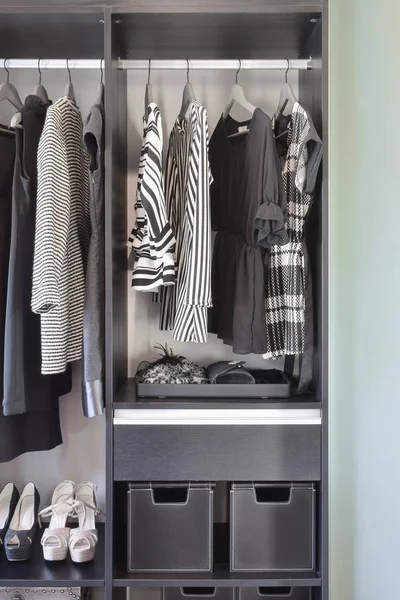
[170, 368]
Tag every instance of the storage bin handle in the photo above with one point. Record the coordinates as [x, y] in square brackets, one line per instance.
[157, 490]
[275, 592]
[207, 592]
[273, 494]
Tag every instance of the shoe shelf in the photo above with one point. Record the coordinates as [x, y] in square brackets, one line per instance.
[37, 572]
[220, 576]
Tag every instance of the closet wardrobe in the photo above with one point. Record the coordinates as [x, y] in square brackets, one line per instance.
[272, 449]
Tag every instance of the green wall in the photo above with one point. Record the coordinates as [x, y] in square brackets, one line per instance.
[364, 299]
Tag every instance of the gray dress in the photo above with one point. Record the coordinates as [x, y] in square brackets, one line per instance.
[93, 319]
[248, 213]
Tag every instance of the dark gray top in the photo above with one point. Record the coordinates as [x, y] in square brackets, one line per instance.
[93, 319]
[248, 213]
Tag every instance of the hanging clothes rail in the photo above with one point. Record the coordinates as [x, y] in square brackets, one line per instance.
[143, 65]
[198, 65]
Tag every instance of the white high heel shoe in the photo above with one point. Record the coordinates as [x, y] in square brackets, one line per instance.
[83, 540]
[55, 538]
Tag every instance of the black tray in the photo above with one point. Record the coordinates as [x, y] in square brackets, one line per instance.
[274, 384]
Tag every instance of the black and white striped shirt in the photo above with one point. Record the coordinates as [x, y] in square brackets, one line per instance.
[151, 238]
[184, 308]
[61, 236]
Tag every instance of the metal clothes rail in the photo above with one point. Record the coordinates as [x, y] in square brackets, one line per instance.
[141, 65]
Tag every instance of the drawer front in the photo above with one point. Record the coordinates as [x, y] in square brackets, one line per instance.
[217, 452]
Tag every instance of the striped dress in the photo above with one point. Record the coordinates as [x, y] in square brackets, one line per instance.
[151, 238]
[188, 177]
[61, 236]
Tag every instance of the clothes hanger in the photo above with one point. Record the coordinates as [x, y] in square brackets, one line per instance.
[39, 90]
[148, 97]
[9, 92]
[287, 95]
[237, 95]
[69, 91]
[188, 94]
[100, 90]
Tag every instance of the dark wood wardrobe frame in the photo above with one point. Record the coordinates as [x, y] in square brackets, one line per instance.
[156, 28]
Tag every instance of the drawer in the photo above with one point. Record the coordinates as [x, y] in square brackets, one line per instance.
[170, 527]
[272, 527]
[199, 593]
[279, 593]
[279, 446]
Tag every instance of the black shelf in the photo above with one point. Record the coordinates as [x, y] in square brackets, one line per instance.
[39, 573]
[126, 398]
[221, 576]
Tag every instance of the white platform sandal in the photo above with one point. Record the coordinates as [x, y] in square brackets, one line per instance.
[55, 538]
[83, 540]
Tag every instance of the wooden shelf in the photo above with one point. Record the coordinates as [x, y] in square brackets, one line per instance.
[39, 573]
[126, 398]
[220, 577]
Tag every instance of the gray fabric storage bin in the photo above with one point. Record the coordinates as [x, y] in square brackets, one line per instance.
[272, 527]
[271, 593]
[198, 593]
[170, 527]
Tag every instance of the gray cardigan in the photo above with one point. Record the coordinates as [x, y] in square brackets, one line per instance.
[93, 320]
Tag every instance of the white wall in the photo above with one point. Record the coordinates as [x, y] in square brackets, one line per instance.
[81, 456]
[364, 296]
[212, 88]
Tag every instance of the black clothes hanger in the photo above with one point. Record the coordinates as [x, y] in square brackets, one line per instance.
[148, 97]
[9, 92]
[69, 88]
[39, 90]
[188, 94]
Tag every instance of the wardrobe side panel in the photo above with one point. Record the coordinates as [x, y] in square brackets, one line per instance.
[115, 225]
[310, 96]
[313, 93]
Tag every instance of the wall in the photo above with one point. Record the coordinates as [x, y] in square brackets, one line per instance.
[81, 456]
[364, 295]
[212, 88]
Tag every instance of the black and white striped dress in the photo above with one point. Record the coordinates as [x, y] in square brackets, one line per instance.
[188, 177]
[151, 238]
[61, 236]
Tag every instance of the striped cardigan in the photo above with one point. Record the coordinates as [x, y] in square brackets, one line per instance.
[151, 238]
[61, 236]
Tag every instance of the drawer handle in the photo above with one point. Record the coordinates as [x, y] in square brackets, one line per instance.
[278, 592]
[170, 495]
[198, 591]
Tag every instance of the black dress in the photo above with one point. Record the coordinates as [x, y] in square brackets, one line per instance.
[248, 214]
[25, 388]
[38, 430]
